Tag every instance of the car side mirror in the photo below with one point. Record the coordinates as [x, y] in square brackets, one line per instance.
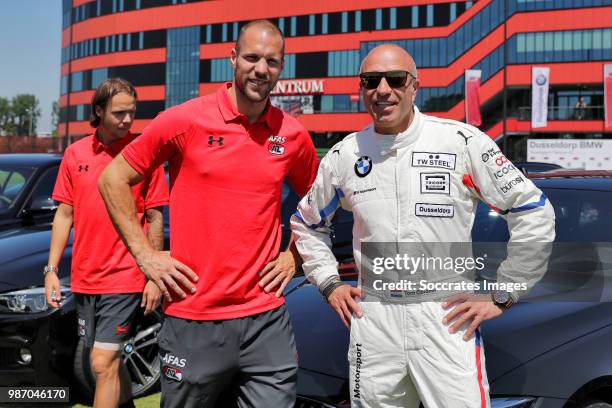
[43, 204]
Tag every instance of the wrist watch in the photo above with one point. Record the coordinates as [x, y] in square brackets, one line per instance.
[502, 299]
[49, 268]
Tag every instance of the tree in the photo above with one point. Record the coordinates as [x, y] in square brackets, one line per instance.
[26, 112]
[55, 112]
[6, 115]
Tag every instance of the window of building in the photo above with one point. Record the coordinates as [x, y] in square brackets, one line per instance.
[430, 15]
[80, 112]
[393, 18]
[343, 63]
[415, 16]
[358, 21]
[293, 30]
[220, 70]
[235, 31]
[289, 67]
[453, 12]
[344, 21]
[224, 32]
[97, 76]
[325, 24]
[63, 85]
[182, 64]
[77, 82]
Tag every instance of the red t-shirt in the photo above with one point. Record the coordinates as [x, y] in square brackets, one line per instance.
[226, 177]
[100, 261]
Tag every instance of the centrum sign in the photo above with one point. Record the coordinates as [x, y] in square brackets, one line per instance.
[293, 87]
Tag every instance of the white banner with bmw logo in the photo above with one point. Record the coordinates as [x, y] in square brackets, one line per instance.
[539, 96]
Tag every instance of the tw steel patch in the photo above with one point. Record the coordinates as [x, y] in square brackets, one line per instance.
[429, 159]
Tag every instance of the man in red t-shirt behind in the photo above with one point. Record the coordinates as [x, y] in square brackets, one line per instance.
[228, 154]
[107, 285]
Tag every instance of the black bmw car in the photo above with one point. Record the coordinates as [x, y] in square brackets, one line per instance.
[38, 345]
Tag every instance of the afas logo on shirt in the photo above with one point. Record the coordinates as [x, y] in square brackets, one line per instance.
[276, 142]
[277, 139]
[174, 360]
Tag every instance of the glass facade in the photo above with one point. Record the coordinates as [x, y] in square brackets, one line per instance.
[440, 52]
[184, 71]
[343, 63]
[560, 46]
[182, 65]
[220, 70]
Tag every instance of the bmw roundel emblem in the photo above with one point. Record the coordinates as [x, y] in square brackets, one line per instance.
[128, 348]
[363, 166]
[541, 79]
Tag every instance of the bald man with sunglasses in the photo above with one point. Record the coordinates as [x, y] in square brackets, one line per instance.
[413, 178]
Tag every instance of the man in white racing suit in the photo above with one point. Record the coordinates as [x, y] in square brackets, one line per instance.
[410, 177]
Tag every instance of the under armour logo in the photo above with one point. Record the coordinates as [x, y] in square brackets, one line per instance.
[212, 140]
[83, 168]
[122, 329]
[464, 136]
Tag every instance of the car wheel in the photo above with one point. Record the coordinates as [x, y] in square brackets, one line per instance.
[140, 355]
[82, 369]
[595, 403]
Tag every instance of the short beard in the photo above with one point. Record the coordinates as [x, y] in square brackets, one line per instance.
[240, 88]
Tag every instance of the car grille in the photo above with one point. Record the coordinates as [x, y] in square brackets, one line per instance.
[8, 357]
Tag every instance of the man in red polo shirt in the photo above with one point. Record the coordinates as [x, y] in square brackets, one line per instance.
[105, 280]
[228, 155]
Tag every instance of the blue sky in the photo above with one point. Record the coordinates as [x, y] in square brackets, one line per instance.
[30, 48]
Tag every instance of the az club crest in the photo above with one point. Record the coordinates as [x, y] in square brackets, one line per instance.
[363, 166]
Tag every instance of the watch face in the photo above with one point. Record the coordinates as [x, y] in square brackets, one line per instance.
[501, 297]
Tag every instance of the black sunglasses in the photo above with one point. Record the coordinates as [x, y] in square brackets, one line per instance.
[395, 79]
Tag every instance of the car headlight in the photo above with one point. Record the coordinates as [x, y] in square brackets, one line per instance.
[512, 402]
[28, 300]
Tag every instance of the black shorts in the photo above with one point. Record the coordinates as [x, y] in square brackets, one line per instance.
[244, 362]
[106, 320]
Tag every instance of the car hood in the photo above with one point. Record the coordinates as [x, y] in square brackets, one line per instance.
[531, 330]
[522, 334]
[23, 254]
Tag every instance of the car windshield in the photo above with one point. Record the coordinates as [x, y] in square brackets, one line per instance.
[12, 183]
[585, 216]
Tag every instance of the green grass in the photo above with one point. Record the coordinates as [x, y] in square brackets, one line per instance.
[150, 401]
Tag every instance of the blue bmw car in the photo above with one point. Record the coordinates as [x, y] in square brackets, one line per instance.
[550, 351]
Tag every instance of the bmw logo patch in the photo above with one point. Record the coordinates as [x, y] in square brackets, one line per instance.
[363, 166]
[128, 348]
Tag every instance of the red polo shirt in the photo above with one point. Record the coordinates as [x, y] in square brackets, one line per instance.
[100, 262]
[226, 178]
